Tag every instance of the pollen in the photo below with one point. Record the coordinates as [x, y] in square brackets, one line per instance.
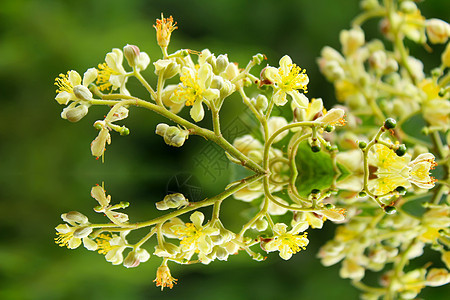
[63, 83]
[190, 90]
[164, 28]
[104, 73]
[164, 278]
[296, 78]
[103, 245]
[295, 242]
[189, 235]
[63, 239]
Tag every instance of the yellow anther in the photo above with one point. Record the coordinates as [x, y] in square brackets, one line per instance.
[63, 83]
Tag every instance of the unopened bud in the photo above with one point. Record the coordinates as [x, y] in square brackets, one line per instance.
[172, 201]
[221, 63]
[124, 131]
[161, 129]
[437, 277]
[438, 31]
[261, 225]
[74, 114]
[378, 60]
[261, 102]
[175, 136]
[82, 92]
[258, 58]
[131, 53]
[74, 217]
[351, 40]
[167, 68]
[408, 7]
[135, 257]
[82, 232]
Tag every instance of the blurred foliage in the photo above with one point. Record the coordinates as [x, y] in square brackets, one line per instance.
[47, 169]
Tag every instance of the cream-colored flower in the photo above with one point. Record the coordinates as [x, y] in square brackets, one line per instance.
[393, 170]
[287, 242]
[164, 278]
[78, 231]
[72, 88]
[112, 246]
[287, 80]
[194, 89]
[195, 236]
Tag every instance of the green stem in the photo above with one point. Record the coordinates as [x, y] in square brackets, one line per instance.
[144, 82]
[194, 129]
[196, 205]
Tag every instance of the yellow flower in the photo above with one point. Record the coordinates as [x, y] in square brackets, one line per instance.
[393, 170]
[288, 79]
[72, 236]
[195, 88]
[164, 278]
[287, 243]
[72, 88]
[195, 236]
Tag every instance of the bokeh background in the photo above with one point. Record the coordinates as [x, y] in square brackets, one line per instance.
[46, 167]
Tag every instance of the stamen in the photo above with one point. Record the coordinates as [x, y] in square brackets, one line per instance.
[63, 239]
[63, 83]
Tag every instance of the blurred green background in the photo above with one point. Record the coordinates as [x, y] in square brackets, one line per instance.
[46, 167]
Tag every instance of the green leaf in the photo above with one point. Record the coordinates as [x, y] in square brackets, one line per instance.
[315, 170]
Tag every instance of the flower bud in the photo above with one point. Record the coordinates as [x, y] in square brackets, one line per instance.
[82, 92]
[391, 65]
[438, 31]
[408, 7]
[261, 102]
[378, 60]
[333, 70]
[82, 232]
[172, 201]
[161, 129]
[261, 224]
[167, 67]
[221, 63]
[258, 58]
[369, 4]
[131, 53]
[351, 40]
[74, 217]
[437, 277]
[135, 257]
[175, 137]
[74, 114]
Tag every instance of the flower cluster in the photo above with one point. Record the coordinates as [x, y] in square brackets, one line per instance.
[352, 164]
